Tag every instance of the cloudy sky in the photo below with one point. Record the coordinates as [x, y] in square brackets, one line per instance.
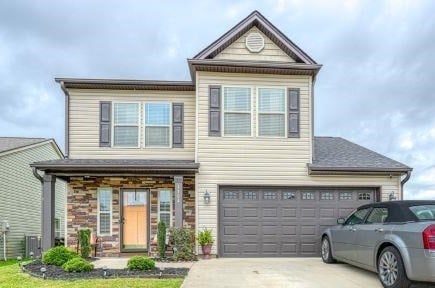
[376, 87]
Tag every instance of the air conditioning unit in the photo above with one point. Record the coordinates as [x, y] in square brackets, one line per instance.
[33, 246]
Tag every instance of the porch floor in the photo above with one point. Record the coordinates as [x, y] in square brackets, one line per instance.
[121, 263]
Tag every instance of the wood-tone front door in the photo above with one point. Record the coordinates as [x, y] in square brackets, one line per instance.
[135, 219]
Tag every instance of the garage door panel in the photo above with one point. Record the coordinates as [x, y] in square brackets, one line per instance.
[260, 222]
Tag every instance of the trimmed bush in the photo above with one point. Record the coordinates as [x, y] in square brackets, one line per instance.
[58, 256]
[184, 244]
[140, 263]
[161, 239]
[77, 265]
[85, 242]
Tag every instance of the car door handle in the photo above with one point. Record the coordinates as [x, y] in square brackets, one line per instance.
[379, 229]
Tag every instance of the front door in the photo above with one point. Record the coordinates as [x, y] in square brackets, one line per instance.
[135, 211]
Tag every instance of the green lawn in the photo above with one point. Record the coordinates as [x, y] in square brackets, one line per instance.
[11, 276]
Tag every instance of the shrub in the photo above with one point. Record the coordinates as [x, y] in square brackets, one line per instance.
[205, 237]
[161, 239]
[184, 243]
[58, 256]
[77, 265]
[85, 242]
[140, 263]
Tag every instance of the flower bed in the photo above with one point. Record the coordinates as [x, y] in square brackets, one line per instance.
[56, 272]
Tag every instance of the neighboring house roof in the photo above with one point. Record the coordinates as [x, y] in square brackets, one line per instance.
[13, 144]
[68, 167]
[8, 144]
[125, 84]
[335, 154]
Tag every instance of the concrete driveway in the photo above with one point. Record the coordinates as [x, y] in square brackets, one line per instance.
[277, 272]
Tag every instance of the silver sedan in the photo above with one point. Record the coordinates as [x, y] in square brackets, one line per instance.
[395, 239]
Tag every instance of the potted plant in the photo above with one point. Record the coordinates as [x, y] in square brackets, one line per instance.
[205, 239]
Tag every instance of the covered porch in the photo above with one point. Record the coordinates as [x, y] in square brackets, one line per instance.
[120, 201]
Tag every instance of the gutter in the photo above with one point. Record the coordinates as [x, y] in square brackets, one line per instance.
[65, 91]
[402, 183]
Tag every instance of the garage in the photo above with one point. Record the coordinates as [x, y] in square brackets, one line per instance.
[282, 222]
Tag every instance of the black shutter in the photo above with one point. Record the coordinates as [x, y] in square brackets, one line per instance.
[214, 113]
[293, 111]
[105, 123]
[177, 125]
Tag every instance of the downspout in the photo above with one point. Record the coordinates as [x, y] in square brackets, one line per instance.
[402, 183]
[313, 82]
[65, 91]
[41, 179]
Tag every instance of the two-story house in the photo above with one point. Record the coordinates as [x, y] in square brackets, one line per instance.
[232, 150]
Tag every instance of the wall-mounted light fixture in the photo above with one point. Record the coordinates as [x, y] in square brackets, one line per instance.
[392, 197]
[206, 197]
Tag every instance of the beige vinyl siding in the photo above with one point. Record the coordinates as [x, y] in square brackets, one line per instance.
[84, 124]
[261, 161]
[238, 51]
[20, 194]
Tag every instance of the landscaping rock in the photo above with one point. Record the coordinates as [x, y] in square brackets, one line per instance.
[55, 272]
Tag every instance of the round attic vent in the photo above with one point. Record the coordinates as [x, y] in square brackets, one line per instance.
[254, 42]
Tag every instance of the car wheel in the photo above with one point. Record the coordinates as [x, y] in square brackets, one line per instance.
[326, 250]
[391, 270]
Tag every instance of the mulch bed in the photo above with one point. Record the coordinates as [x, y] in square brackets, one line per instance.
[55, 272]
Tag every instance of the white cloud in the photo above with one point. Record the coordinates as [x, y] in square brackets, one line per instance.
[406, 141]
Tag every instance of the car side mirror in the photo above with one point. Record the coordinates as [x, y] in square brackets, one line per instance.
[340, 221]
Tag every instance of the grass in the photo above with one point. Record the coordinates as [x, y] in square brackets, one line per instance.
[11, 276]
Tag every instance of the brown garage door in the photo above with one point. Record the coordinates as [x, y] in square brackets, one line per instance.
[282, 222]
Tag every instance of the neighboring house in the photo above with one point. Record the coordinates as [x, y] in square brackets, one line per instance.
[20, 192]
[232, 150]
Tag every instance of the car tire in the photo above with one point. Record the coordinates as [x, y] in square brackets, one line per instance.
[391, 271]
[326, 251]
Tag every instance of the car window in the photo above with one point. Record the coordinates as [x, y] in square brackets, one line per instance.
[357, 217]
[378, 215]
[424, 212]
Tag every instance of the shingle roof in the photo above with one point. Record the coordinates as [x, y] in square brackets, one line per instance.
[98, 165]
[338, 154]
[11, 143]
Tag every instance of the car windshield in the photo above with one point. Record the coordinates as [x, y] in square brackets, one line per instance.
[424, 212]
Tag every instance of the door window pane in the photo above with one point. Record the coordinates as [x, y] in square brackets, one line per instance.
[357, 217]
[378, 215]
[165, 207]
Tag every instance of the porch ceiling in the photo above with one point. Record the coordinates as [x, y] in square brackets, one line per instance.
[112, 167]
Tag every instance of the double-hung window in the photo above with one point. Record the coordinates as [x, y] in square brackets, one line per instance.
[271, 112]
[104, 211]
[157, 124]
[237, 111]
[126, 125]
[165, 207]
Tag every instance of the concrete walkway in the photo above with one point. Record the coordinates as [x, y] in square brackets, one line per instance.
[121, 263]
[277, 272]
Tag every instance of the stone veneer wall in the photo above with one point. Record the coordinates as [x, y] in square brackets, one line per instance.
[82, 206]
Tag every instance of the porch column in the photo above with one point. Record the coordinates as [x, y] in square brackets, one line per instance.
[178, 180]
[48, 211]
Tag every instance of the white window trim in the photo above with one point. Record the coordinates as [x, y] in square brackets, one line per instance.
[170, 207]
[98, 211]
[138, 124]
[277, 113]
[145, 125]
[251, 112]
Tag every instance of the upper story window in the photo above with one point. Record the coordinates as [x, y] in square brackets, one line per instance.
[271, 112]
[126, 124]
[157, 124]
[237, 111]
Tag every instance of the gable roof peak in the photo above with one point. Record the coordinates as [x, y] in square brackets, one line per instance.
[255, 19]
